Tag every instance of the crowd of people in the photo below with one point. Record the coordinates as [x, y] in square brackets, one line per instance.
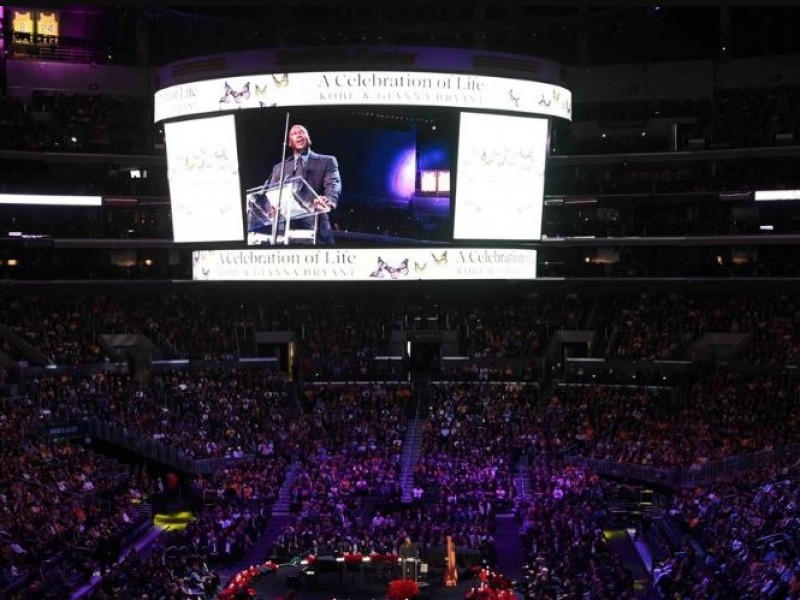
[64, 508]
[352, 462]
[347, 343]
[347, 443]
[740, 537]
[231, 513]
[211, 413]
[453, 464]
[69, 330]
[722, 415]
[562, 531]
[67, 513]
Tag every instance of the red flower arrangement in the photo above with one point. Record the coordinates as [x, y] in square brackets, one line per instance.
[487, 593]
[242, 580]
[482, 593]
[353, 558]
[402, 589]
[386, 558]
[493, 587]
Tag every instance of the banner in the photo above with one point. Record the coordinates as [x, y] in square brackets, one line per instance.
[374, 88]
[362, 264]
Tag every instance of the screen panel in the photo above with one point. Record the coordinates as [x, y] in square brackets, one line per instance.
[382, 158]
[501, 161]
[203, 173]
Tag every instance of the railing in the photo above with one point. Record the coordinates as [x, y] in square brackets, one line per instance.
[158, 450]
[51, 52]
[206, 466]
[734, 465]
[610, 468]
[139, 444]
[688, 476]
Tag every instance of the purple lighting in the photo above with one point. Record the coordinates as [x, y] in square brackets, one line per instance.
[403, 174]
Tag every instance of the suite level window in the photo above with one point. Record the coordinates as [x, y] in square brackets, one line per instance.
[434, 182]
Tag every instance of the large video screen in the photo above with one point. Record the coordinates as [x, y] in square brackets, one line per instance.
[389, 176]
[425, 167]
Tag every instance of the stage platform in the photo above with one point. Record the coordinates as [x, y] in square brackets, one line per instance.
[350, 585]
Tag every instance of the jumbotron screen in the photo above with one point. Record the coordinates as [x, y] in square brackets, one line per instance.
[412, 185]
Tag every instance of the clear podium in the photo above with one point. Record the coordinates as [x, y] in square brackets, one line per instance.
[279, 213]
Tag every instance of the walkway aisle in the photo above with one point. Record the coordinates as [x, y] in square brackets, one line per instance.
[262, 549]
[621, 542]
[260, 552]
[510, 553]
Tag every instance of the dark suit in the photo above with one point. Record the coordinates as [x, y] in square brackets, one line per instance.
[321, 171]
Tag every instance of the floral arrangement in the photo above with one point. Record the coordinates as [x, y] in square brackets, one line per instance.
[241, 582]
[383, 557]
[493, 586]
[482, 593]
[353, 558]
[402, 589]
[487, 593]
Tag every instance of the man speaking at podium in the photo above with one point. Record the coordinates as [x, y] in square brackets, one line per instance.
[408, 557]
[321, 171]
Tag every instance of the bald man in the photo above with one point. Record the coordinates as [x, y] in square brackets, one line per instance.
[321, 171]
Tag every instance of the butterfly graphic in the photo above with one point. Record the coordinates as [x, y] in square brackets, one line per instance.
[281, 81]
[394, 272]
[514, 99]
[379, 272]
[420, 267]
[441, 259]
[261, 91]
[544, 101]
[401, 269]
[265, 105]
[237, 96]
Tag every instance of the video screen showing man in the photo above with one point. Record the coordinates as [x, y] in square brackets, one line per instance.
[385, 157]
[320, 172]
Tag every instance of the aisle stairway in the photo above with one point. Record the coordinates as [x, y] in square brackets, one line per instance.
[507, 542]
[412, 447]
[281, 506]
[522, 480]
[622, 542]
[262, 549]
